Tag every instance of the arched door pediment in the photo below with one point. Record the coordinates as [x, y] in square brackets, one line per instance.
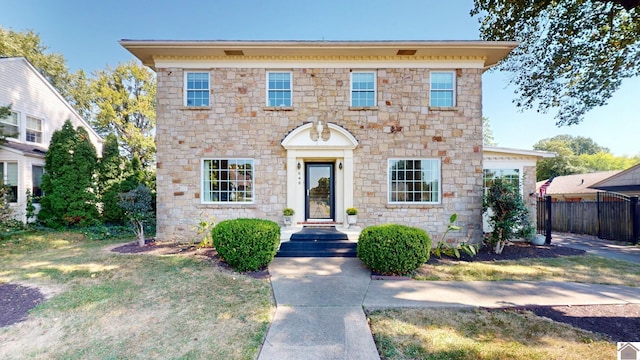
[305, 137]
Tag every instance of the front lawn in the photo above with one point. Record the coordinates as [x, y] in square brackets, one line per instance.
[582, 268]
[481, 334]
[107, 305]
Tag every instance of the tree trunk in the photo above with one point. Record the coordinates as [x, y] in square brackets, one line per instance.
[499, 247]
[140, 233]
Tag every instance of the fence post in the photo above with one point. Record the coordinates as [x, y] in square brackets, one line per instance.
[547, 220]
[635, 219]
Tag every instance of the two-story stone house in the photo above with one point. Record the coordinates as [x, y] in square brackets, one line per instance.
[247, 128]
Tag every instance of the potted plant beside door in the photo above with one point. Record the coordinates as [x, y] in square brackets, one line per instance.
[352, 216]
[288, 216]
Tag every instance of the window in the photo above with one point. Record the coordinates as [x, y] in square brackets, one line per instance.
[279, 89]
[442, 89]
[363, 89]
[10, 126]
[36, 181]
[227, 181]
[414, 181]
[34, 129]
[512, 176]
[9, 176]
[197, 89]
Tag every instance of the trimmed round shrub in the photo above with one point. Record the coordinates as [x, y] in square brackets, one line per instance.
[246, 244]
[393, 249]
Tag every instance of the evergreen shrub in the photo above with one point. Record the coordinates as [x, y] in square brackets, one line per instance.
[393, 249]
[246, 244]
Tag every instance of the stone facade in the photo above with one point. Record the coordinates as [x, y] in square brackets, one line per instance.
[239, 125]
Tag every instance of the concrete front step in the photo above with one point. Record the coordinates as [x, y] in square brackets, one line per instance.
[317, 249]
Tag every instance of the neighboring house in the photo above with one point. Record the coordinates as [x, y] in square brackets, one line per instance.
[577, 187]
[517, 167]
[248, 128]
[625, 182]
[37, 110]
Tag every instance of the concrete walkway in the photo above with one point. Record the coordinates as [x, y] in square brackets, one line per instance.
[319, 310]
[320, 304]
[607, 248]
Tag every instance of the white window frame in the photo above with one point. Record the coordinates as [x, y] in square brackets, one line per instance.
[187, 89]
[5, 178]
[502, 169]
[204, 198]
[452, 90]
[289, 90]
[38, 133]
[375, 89]
[16, 116]
[392, 161]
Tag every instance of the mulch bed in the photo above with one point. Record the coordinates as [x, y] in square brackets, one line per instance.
[513, 251]
[617, 322]
[16, 301]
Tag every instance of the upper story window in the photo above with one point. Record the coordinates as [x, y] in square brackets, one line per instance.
[34, 130]
[363, 89]
[414, 181]
[279, 89]
[227, 180]
[10, 126]
[197, 89]
[9, 177]
[442, 89]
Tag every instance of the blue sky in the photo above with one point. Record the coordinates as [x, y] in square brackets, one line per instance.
[87, 34]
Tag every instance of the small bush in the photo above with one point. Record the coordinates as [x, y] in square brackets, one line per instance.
[246, 244]
[393, 249]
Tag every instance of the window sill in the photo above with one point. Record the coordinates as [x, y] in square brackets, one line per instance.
[445, 108]
[196, 108]
[363, 108]
[278, 108]
[412, 205]
[223, 205]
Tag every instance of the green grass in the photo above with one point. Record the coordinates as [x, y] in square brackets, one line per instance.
[108, 305]
[583, 268]
[480, 334]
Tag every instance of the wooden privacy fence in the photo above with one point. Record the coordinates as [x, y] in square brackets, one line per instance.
[613, 217]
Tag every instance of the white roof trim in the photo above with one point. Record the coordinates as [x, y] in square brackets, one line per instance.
[511, 151]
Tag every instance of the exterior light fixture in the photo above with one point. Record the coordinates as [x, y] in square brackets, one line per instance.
[340, 165]
[299, 165]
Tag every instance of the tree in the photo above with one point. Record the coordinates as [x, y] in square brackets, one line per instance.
[125, 102]
[137, 204]
[110, 176]
[510, 216]
[487, 133]
[117, 175]
[53, 66]
[573, 54]
[68, 181]
[603, 161]
[561, 164]
[575, 155]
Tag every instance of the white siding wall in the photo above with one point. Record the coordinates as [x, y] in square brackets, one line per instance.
[31, 95]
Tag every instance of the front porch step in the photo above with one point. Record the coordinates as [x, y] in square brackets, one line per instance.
[315, 248]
